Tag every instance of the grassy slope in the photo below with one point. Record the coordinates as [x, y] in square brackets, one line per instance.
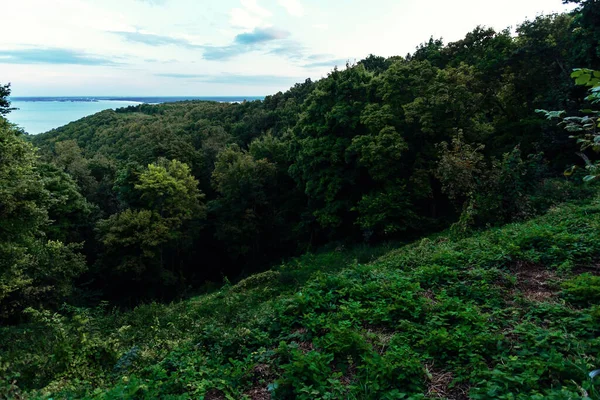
[501, 314]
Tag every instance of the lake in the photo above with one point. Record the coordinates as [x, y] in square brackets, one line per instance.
[41, 114]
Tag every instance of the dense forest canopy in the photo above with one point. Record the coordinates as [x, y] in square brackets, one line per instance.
[384, 149]
[161, 198]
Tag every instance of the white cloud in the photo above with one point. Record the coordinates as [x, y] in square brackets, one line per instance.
[294, 7]
[240, 18]
[250, 16]
[253, 7]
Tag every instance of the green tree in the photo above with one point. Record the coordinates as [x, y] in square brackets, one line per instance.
[585, 128]
[69, 157]
[169, 189]
[147, 246]
[323, 167]
[4, 102]
[244, 208]
[33, 270]
[70, 214]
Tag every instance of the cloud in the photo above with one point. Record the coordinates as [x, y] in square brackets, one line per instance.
[154, 2]
[252, 6]
[327, 63]
[289, 49]
[260, 36]
[241, 18]
[259, 80]
[150, 39]
[258, 39]
[52, 56]
[243, 43]
[293, 7]
[250, 16]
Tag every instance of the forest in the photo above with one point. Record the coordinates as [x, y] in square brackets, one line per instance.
[413, 227]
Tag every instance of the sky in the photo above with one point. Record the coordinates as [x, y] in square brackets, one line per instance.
[221, 48]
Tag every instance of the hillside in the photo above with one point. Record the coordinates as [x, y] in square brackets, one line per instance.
[410, 227]
[506, 313]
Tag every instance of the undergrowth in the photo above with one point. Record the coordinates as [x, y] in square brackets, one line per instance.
[507, 313]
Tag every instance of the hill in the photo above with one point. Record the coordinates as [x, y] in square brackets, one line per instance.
[387, 149]
[506, 313]
[120, 234]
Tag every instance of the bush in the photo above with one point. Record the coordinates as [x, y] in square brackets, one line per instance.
[582, 290]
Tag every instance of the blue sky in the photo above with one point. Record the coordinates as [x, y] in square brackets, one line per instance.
[225, 47]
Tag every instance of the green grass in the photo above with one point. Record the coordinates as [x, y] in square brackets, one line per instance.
[507, 313]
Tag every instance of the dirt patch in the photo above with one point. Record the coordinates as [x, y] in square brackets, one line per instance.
[590, 269]
[306, 347]
[439, 385]
[258, 394]
[300, 332]
[535, 282]
[261, 371]
[214, 395]
[430, 296]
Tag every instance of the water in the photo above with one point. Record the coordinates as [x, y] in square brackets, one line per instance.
[41, 114]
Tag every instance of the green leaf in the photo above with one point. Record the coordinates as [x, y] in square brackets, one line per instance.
[589, 178]
[582, 80]
[576, 73]
[570, 171]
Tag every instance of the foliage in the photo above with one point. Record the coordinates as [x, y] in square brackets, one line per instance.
[583, 290]
[33, 269]
[144, 245]
[165, 197]
[499, 191]
[4, 102]
[585, 128]
[442, 317]
[351, 157]
[243, 206]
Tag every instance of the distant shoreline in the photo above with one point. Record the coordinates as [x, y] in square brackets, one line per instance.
[137, 99]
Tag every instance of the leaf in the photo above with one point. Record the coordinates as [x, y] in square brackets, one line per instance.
[570, 171]
[589, 178]
[594, 373]
[582, 80]
[551, 114]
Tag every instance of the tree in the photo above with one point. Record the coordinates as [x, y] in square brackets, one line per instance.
[70, 214]
[169, 189]
[146, 248]
[586, 128]
[487, 191]
[33, 270]
[323, 167]
[69, 157]
[586, 32]
[244, 208]
[4, 102]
